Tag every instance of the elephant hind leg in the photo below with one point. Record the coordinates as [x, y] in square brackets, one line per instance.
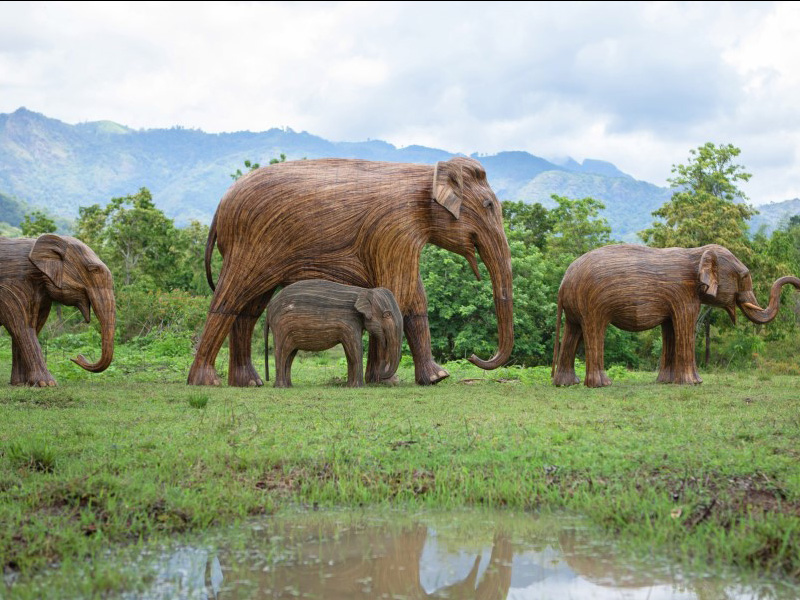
[202, 371]
[666, 371]
[241, 372]
[565, 365]
[284, 357]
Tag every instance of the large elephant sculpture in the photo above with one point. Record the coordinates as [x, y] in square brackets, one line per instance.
[33, 274]
[636, 288]
[355, 222]
[317, 315]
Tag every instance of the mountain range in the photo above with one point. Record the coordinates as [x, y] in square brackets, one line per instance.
[58, 167]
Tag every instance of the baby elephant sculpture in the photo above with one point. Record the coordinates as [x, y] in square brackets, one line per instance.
[637, 288]
[35, 273]
[317, 314]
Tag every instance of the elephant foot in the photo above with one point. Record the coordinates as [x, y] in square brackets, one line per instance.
[39, 383]
[206, 375]
[565, 378]
[430, 374]
[597, 379]
[687, 379]
[665, 376]
[244, 376]
[378, 380]
[681, 377]
[41, 378]
[390, 381]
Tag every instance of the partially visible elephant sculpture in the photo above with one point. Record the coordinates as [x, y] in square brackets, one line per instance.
[317, 315]
[33, 274]
[355, 222]
[636, 288]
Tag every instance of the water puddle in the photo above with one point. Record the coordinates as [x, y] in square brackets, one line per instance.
[400, 556]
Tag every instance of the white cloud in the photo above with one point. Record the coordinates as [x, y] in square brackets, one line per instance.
[636, 83]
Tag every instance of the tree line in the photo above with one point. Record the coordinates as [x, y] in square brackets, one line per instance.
[154, 262]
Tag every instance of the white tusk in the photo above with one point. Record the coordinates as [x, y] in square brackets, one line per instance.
[752, 306]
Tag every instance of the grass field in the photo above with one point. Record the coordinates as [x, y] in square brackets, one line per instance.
[708, 474]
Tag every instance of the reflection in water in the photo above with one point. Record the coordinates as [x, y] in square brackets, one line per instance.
[480, 556]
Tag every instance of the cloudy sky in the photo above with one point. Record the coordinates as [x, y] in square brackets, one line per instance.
[638, 84]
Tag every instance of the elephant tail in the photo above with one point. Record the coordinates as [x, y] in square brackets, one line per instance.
[266, 347]
[212, 239]
[558, 335]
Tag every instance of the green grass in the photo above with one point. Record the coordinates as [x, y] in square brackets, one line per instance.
[708, 474]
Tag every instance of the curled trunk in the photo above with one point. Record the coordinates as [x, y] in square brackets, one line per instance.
[104, 308]
[751, 309]
[498, 263]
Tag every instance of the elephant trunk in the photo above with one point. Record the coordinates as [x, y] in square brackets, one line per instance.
[497, 259]
[103, 303]
[751, 309]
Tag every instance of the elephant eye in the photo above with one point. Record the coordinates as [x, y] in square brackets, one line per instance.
[488, 203]
[387, 315]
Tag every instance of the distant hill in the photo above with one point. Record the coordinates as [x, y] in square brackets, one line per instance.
[53, 165]
[774, 214]
[12, 211]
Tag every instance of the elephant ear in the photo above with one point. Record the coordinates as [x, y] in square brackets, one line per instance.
[47, 255]
[448, 187]
[363, 305]
[707, 272]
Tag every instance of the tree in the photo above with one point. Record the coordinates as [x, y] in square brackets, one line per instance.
[252, 166]
[706, 208]
[137, 240]
[90, 227]
[36, 223]
[577, 228]
[528, 223]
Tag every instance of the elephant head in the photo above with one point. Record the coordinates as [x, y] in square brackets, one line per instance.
[473, 220]
[75, 276]
[383, 320]
[726, 283]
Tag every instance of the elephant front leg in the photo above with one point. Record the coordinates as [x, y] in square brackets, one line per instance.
[354, 352]
[241, 372]
[565, 364]
[594, 340]
[685, 365]
[27, 361]
[418, 335]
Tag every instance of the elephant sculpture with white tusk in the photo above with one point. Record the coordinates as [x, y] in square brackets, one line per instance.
[355, 222]
[636, 288]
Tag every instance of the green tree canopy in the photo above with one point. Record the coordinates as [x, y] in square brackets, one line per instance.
[36, 223]
[528, 223]
[707, 206]
[578, 226]
[135, 239]
[252, 166]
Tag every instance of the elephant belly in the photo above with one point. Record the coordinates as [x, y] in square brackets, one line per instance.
[639, 316]
[314, 340]
[312, 343]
